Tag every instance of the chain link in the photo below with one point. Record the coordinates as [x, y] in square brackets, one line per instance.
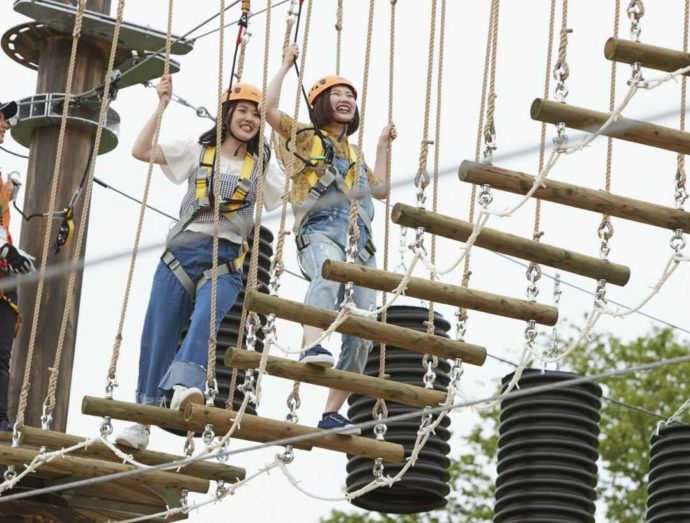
[46, 417]
[106, 427]
[402, 251]
[10, 473]
[188, 447]
[489, 144]
[485, 196]
[208, 435]
[460, 324]
[378, 469]
[456, 372]
[533, 276]
[635, 14]
[221, 489]
[184, 500]
[293, 403]
[110, 387]
[681, 192]
[605, 233]
[211, 392]
[677, 242]
[600, 294]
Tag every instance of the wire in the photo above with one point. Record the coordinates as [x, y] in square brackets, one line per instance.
[14, 154]
[363, 425]
[235, 22]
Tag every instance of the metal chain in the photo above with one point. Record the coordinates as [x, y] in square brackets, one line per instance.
[635, 13]
[554, 343]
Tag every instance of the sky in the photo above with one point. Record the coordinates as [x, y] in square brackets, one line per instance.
[638, 172]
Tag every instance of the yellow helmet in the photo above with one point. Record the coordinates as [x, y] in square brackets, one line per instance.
[326, 82]
[241, 91]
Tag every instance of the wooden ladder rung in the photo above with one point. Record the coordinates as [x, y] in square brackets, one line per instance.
[35, 437]
[440, 292]
[386, 389]
[91, 468]
[511, 245]
[252, 428]
[637, 131]
[263, 429]
[370, 329]
[652, 56]
[574, 196]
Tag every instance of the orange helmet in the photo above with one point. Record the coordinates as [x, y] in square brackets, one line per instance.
[326, 82]
[240, 91]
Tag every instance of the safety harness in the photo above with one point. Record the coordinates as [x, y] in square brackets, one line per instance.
[204, 201]
[320, 179]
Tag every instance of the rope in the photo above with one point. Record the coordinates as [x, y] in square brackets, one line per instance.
[49, 402]
[243, 50]
[680, 159]
[23, 397]
[114, 358]
[339, 35]
[424, 149]
[537, 233]
[211, 365]
[354, 206]
[489, 126]
[380, 406]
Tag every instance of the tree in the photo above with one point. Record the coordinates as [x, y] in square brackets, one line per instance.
[623, 443]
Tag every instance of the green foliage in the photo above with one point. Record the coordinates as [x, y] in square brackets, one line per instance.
[623, 443]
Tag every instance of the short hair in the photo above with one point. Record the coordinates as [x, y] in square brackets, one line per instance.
[322, 112]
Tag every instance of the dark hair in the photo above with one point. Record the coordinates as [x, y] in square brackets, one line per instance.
[322, 113]
[209, 137]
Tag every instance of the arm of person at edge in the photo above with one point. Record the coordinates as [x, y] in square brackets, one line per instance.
[380, 189]
[142, 149]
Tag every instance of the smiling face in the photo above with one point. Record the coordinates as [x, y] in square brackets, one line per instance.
[343, 103]
[245, 121]
[4, 125]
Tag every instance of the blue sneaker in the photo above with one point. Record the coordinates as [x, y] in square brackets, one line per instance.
[333, 420]
[317, 355]
[5, 426]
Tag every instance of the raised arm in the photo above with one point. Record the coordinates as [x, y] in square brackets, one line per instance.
[389, 133]
[272, 94]
[142, 149]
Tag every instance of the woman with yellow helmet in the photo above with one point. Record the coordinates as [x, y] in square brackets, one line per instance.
[322, 192]
[181, 289]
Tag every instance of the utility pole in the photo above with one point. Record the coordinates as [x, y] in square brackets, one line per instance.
[53, 60]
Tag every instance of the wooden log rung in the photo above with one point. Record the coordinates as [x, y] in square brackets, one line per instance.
[511, 245]
[574, 196]
[271, 430]
[252, 428]
[337, 379]
[440, 292]
[365, 328]
[35, 437]
[90, 468]
[636, 131]
[651, 56]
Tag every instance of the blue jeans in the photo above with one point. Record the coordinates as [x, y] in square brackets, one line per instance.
[161, 365]
[329, 294]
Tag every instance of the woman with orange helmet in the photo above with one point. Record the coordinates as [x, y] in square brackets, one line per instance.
[181, 290]
[321, 196]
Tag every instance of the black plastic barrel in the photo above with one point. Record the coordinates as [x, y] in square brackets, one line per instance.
[668, 492]
[425, 486]
[547, 451]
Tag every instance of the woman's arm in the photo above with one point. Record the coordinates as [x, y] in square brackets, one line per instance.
[142, 149]
[272, 94]
[389, 133]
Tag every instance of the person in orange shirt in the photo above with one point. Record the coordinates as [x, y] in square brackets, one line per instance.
[12, 261]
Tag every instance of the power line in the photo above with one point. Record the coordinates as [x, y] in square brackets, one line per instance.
[362, 425]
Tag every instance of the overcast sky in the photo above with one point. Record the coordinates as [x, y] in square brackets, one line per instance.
[639, 172]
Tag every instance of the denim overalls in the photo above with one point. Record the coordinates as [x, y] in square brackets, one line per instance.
[330, 217]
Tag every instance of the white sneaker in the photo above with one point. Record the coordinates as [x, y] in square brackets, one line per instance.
[135, 436]
[184, 395]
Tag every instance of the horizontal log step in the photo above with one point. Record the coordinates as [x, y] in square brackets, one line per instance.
[272, 430]
[652, 56]
[511, 245]
[574, 196]
[637, 131]
[440, 292]
[91, 468]
[370, 329]
[337, 379]
[35, 437]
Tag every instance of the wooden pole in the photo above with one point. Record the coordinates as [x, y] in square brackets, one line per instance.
[652, 56]
[511, 245]
[91, 468]
[440, 292]
[574, 196]
[34, 437]
[644, 133]
[267, 430]
[337, 379]
[52, 76]
[372, 330]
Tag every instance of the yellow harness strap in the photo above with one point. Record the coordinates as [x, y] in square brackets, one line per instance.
[317, 153]
[241, 190]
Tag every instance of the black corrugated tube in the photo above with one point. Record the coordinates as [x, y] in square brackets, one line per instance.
[668, 492]
[425, 486]
[547, 452]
